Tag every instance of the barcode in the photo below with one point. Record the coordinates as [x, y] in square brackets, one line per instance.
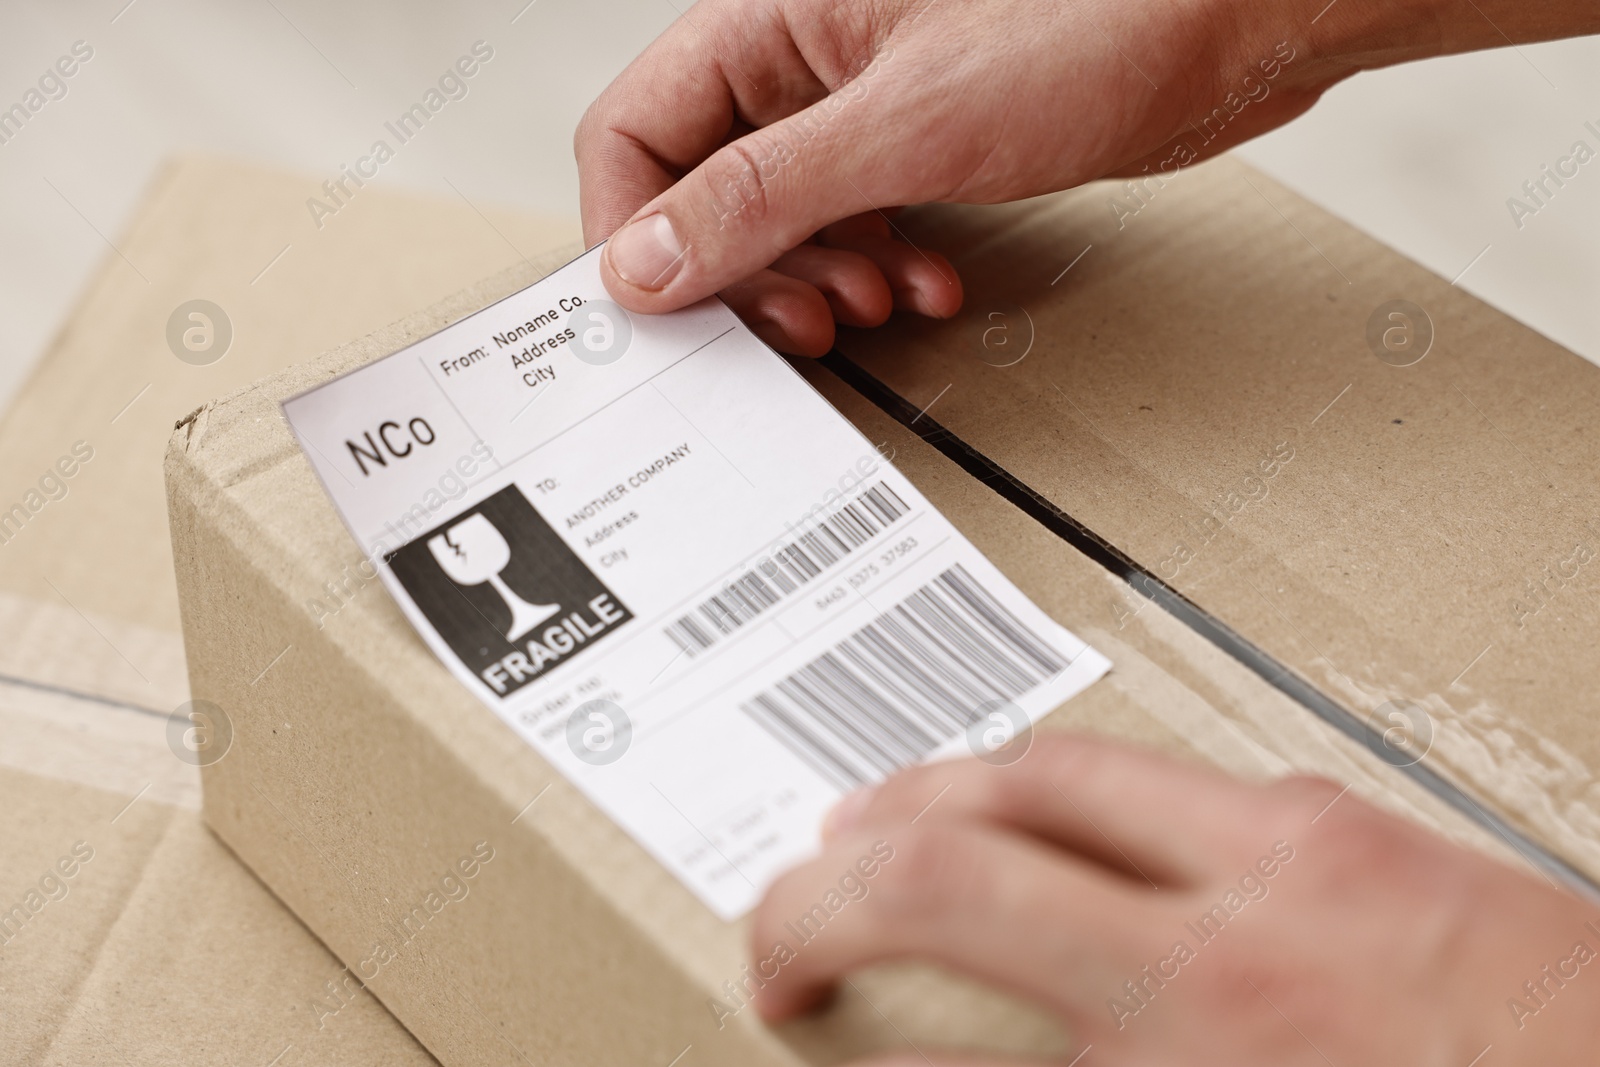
[776, 576]
[915, 677]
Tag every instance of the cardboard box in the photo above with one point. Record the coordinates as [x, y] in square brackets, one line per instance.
[1387, 486]
[360, 773]
[163, 948]
[238, 236]
[146, 942]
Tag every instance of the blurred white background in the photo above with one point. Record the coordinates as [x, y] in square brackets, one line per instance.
[1423, 157]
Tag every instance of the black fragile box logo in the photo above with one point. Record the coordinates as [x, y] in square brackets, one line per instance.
[505, 592]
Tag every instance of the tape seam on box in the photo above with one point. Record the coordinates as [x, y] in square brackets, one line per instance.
[1276, 674]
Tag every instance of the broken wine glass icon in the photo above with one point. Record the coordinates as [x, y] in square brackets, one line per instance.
[472, 552]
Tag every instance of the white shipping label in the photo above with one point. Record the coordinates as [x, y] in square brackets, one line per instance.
[675, 570]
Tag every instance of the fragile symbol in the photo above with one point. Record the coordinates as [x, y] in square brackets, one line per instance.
[472, 552]
[505, 592]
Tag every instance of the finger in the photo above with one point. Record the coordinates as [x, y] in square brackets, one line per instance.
[1155, 819]
[922, 281]
[789, 314]
[756, 198]
[993, 904]
[851, 282]
[677, 103]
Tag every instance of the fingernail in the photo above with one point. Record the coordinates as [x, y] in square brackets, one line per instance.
[646, 252]
[846, 813]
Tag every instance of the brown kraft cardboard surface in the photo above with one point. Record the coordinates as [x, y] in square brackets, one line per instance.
[1388, 486]
[362, 776]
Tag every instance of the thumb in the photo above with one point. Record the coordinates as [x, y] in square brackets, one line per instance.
[747, 204]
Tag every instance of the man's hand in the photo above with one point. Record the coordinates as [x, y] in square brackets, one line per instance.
[1175, 916]
[758, 148]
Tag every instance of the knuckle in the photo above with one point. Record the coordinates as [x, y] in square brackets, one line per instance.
[935, 870]
[896, 793]
[1065, 755]
[1364, 839]
[995, 791]
[1077, 764]
[1303, 795]
[736, 181]
[918, 790]
[938, 791]
[583, 134]
[1344, 838]
[602, 131]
